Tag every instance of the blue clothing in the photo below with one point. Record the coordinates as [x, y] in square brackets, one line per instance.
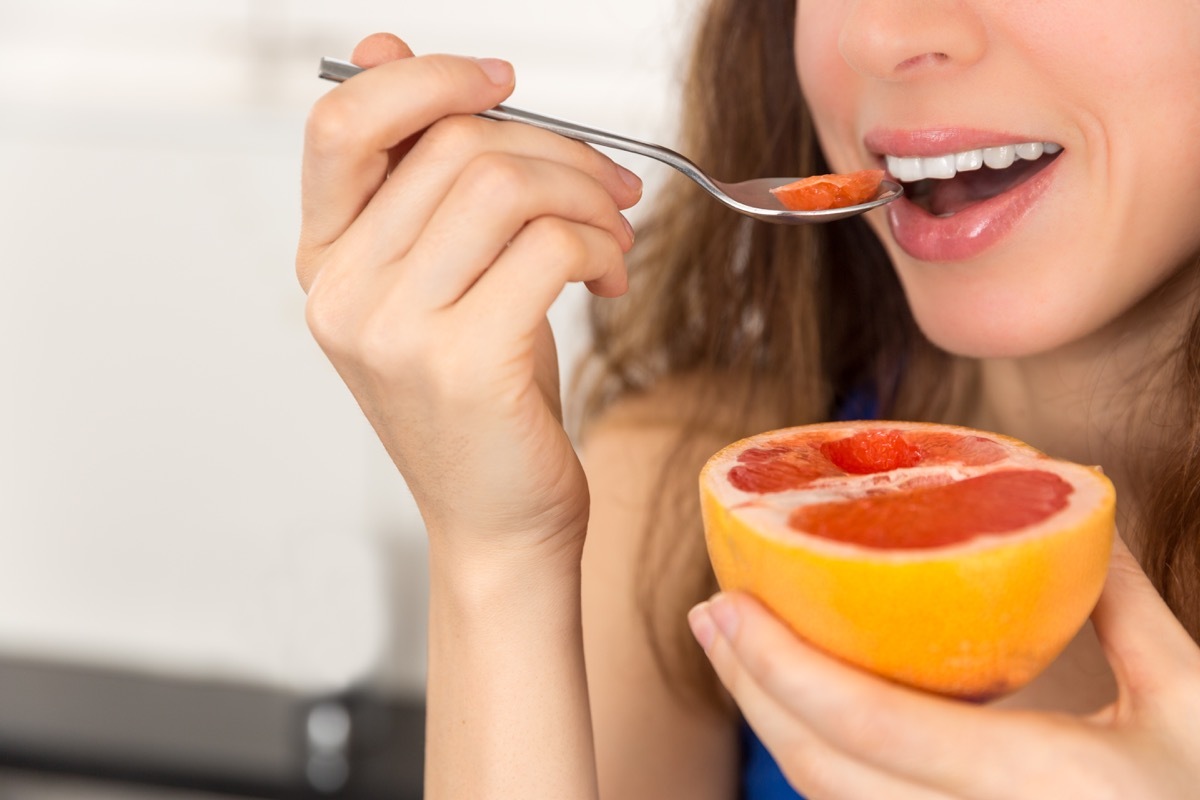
[761, 776]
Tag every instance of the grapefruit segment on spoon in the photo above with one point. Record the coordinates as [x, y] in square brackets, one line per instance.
[949, 559]
[821, 192]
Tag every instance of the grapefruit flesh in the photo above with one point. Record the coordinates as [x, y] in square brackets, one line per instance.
[822, 192]
[945, 558]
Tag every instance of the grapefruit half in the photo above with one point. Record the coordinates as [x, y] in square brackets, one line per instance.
[821, 192]
[945, 558]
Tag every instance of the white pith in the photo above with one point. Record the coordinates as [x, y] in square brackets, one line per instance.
[768, 513]
[909, 169]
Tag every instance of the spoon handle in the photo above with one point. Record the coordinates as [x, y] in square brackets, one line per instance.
[334, 69]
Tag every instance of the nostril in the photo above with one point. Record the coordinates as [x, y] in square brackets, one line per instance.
[923, 60]
[900, 40]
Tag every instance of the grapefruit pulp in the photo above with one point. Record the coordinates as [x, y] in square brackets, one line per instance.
[821, 192]
[945, 558]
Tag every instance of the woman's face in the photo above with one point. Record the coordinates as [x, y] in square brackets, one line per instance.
[1098, 102]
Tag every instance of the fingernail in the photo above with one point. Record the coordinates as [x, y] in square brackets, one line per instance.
[628, 229]
[702, 625]
[631, 180]
[498, 72]
[724, 616]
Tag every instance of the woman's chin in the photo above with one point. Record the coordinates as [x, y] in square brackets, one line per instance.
[991, 335]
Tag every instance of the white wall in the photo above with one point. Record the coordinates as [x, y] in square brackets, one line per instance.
[185, 486]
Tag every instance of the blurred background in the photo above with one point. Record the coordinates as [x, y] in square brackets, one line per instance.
[212, 581]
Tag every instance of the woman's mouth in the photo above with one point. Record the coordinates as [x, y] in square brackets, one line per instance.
[964, 189]
[945, 185]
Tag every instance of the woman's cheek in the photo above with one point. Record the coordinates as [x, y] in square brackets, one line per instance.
[830, 88]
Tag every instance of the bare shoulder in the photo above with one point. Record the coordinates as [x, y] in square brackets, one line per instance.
[697, 410]
[638, 431]
[652, 740]
[664, 404]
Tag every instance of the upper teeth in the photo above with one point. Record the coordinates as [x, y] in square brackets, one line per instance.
[912, 169]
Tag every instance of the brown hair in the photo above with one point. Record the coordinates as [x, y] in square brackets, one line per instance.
[1168, 483]
[782, 324]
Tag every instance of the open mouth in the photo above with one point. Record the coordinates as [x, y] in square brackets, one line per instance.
[945, 185]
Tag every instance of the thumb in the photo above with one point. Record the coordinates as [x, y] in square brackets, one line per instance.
[1144, 642]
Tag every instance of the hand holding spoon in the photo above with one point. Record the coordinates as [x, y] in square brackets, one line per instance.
[752, 197]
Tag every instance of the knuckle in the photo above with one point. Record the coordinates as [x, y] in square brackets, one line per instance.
[383, 346]
[766, 669]
[443, 73]
[576, 153]
[333, 123]
[451, 136]
[496, 178]
[861, 727]
[556, 235]
[325, 320]
[588, 158]
[586, 154]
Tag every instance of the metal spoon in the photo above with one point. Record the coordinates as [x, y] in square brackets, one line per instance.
[752, 197]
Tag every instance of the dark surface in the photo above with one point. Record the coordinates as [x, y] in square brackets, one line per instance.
[226, 738]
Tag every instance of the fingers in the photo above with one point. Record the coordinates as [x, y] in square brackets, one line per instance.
[512, 297]
[352, 129]
[356, 140]
[406, 201]
[812, 767]
[924, 740]
[489, 205]
[1146, 645]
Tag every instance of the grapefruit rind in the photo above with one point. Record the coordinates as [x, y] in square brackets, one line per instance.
[974, 620]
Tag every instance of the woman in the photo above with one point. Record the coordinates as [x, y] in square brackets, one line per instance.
[1051, 299]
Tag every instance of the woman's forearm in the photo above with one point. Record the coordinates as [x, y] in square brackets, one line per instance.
[508, 713]
[438, 327]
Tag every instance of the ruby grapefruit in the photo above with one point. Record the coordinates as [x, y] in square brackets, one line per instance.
[945, 558]
[821, 192]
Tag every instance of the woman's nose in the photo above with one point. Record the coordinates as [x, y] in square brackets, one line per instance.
[897, 40]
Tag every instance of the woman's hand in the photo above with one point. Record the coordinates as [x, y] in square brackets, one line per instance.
[432, 245]
[840, 733]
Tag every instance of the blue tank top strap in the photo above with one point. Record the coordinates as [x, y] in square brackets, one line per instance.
[860, 403]
[761, 777]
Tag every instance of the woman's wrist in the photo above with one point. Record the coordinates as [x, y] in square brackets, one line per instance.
[479, 572]
[507, 694]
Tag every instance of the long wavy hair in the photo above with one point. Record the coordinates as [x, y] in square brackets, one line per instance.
[778, 325]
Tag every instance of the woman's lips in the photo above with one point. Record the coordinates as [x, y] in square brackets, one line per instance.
[938, 141]
[972, 230]
[966, 233]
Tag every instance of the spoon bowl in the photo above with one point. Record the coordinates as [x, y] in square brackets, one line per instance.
[752, 197]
